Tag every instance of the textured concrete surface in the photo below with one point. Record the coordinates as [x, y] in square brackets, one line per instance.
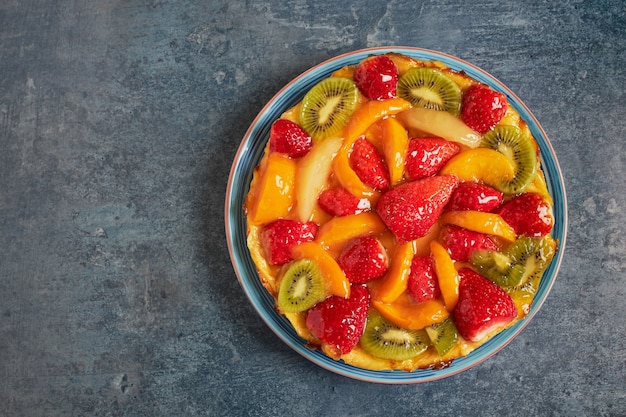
[118, 124]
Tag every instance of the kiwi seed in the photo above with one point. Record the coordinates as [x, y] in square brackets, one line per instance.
[431, 89]
[385, 340]
[301, 287]
[443, 336]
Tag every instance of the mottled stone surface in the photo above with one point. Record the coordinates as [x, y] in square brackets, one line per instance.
[118, 124]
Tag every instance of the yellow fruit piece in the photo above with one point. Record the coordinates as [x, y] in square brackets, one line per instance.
[480, 164]
[334, 278]
[345, 72]
[440, 123]
[539, 186]
[403, 62]
[275, 193]
[488, 223]
[447, 275]
[408, 314]
[395, 282]
[339, 230]
[395, 141]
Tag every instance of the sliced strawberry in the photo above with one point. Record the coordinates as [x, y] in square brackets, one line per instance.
[461, 243]
[528, 214]
[363, 259]
[377, 77]
[340, 202]
[277, 238]
[423, 284]
[426, 156]
[369, 164]
[412, 208]
[474, 196]
[339, 322]
[289, 138]
[482, 307]
[482, 108]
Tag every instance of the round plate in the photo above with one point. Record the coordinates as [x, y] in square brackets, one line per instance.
[249, 154]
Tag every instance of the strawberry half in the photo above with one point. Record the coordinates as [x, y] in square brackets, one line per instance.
[340, 202]
[339, 322]
[369, 164]
[426, 156]
[363, 259]
[423, 284]
[377, 77]
[412, 208]
[289, 138]
[277, 238]
[482, 307]
[482, 108]
[474, 196]
[528, 214]
[461, 243]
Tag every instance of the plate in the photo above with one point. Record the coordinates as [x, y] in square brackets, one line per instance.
[249, 154]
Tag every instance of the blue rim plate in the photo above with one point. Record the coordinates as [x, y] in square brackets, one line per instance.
[249, 154]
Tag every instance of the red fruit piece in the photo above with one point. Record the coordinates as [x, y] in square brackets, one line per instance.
[482, 307]
[339, 322]
[426, 156]
[277, 238]
[340, 202]
[482, 108]
[412, 208]
[369, 165]
[474, 196]
[363, 259]
[377, 77]
[528, 214]
[461, 243]
[423, 284]
[289, 138]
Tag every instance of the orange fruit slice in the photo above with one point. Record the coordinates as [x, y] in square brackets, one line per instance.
[334, 278]
[395, 282]
[275, 193]
[488, 223]
[408, 314]
[446, 275]
[480, 164]
[339, 230]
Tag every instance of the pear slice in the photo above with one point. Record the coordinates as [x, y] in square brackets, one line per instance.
[440, 123]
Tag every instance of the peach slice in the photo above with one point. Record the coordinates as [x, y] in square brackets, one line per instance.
[340, 230]
[396, 280]
[395, 140]
[442, 124]
[408, 314]
[334, 278]
[276, 189]
[447, 276]
[480, 164]
[488, 223]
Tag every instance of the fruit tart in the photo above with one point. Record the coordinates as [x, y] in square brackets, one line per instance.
[399, 215]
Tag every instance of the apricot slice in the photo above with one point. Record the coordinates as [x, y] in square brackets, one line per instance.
[488, 223]
[334, 279]
[440, 123]
[395, 141]
[446, 275]
[396, 280]
[406, 313]
[340, 230]
[480, 164]
[276, 189]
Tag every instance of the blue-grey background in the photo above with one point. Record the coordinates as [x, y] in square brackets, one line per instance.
[119, 120]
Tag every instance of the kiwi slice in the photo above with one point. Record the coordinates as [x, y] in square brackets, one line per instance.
[327, 107]
[385, 340]
[519, 149]
[431, 89]
[516, 266]
[301, 287]
[443, 336]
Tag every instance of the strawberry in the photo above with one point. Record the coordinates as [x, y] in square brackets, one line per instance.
[277, 238]
[340, 202]
[377, 77]
[482, 307]
[528, 214]
[369, 165]
[423, 284]
[363, 259]
[412, 208]
[474, 196]
[461, 243]
[339, 322]
[482, 108]
[289, 138]
[426, 156]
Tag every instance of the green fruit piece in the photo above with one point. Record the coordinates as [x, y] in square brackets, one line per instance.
[443, 336]
[301, 287]
[385, 340]
[431, 89]
[328, 106]
[519, 149]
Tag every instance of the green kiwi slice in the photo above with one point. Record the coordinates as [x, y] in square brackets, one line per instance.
[443, 336]
[327, 107]
[519, 264]
[519, 149]
[385, 340]
[301, 287]
[431, 89]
